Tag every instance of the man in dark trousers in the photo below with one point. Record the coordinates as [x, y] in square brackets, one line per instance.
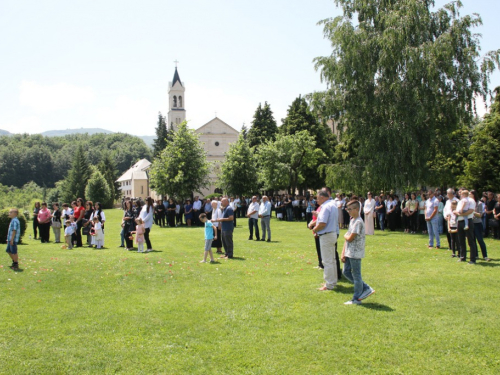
[227, 221]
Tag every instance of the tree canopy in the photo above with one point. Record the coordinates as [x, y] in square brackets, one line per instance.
[182, 167]
[401, 78]
[283, 162]
[160, 141]
[263, 127]
[238, 172]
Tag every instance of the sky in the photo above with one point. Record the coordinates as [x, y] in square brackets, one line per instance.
[106, 64]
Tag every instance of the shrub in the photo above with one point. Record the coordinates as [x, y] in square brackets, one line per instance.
[5, 222]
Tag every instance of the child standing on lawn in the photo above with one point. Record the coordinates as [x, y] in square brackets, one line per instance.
[353, 252]
[13, 236]
[210, 235]
[140, 229]
[98, 233]
[68, 234]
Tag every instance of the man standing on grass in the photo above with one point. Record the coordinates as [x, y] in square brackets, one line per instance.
[227, 221]
[13, 236]
[265, 218]
[354, 252]
[432, 219]
[196, 210]
[326, 228]
[253, 218]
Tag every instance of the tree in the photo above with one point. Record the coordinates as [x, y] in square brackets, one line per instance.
[78, 176]
[182, 167]
[284, 161]
[238, 172]
[244, 131]
[263, 127]
[107, 167]
[97, 189]
[482, 170]
[161, 135]
[400, 78]
[299, 118]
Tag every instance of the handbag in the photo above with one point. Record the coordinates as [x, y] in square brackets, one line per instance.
[86, 230]
[493, 223]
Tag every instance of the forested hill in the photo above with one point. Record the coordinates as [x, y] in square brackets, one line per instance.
[4, 132]
[61, 133]
[46, 160]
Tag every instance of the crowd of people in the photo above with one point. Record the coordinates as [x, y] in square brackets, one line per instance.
[75, 221]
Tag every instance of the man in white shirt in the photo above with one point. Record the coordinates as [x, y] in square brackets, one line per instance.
[196, 210]
[253, 218]
[450, 193]
[469, 233]
[432, 217]
[265, 218]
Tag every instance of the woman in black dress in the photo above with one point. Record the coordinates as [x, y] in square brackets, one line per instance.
[171, 213]
[87, 224]
[129, 223]
[35, 219]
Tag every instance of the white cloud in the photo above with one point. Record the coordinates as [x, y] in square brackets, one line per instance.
[26, 124]
[48, 98]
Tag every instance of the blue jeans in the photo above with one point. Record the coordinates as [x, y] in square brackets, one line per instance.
[253, 223]
[478, 231]
[122, 236]
[440, 223]
[352, 272]
[381, 218]
[433, 230]
[289, 213]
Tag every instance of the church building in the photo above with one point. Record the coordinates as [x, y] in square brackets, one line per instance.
[216, 135]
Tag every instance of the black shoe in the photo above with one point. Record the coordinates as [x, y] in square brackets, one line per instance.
[268, 240]
[14, 267]
[121, 246]
[261, 239]
[471, 262]
[250, 238]
[258, 239]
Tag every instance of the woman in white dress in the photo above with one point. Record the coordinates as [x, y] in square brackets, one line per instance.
[369, 209]
[101, 218]
[217, 214]
[339, 203]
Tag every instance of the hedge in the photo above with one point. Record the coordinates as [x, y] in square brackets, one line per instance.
[5, 222]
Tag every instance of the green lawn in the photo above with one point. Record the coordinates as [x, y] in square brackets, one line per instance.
[86, 311]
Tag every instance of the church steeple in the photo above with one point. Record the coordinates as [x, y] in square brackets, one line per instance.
[176, 101]
[176, 78]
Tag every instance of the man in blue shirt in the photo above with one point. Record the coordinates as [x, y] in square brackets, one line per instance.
[13, 238]
[265, 218]
[227, 221]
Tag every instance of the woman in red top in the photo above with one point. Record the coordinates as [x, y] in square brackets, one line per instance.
[44, 217]
[79, 214]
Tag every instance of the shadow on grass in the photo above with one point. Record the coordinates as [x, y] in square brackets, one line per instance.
[344, 290]
[377, 306]
[18, 270]
[487, 264]
[238, 258]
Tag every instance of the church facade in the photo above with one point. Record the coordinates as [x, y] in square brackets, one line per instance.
[216, 135]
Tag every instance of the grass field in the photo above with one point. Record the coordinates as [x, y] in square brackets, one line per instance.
[87, 311]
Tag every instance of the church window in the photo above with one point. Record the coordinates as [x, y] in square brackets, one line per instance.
[180, 101]
[175, 101]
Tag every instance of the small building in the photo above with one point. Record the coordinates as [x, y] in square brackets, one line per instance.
[134, 183]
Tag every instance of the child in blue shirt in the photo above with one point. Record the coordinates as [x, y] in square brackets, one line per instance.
[210, 235]
[13, 238]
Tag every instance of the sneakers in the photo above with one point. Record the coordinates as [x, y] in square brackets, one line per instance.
[466, 228]
[203, 261]
[352, 302]
[14, 267]
[367, 293]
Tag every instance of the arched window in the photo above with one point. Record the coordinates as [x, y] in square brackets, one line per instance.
[180, 101]
[175, 101]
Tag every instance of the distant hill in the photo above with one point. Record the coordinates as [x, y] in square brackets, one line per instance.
[62, 133]
[4, 132]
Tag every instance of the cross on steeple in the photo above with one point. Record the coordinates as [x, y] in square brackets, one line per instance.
[176, 62]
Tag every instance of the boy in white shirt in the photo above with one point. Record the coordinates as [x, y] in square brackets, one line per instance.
[68, 234]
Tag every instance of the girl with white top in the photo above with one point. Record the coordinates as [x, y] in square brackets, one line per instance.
[99, 215]
[217, 214]
[147, 217]
[98, 233]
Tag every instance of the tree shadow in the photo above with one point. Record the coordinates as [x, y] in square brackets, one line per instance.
[377, 306]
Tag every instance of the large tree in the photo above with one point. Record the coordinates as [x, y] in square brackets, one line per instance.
[300, 118]
[400, 78]
[97, 189]
[238, 172]
[263, 127]
[482, 170]
[107, 167]
[284, 161]
[78, 176]
[182, 167]
[161, 135]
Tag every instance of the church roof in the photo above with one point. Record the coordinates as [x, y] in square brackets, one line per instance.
[176, 78]
[224, 129]
[136, 172]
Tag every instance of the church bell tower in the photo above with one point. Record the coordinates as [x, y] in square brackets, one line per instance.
[176, 101]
